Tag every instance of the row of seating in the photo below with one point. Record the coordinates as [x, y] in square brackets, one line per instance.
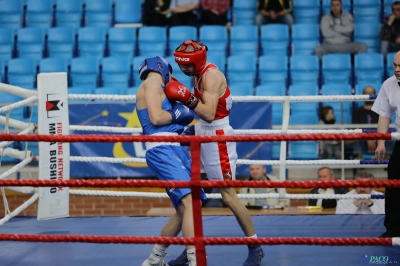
[243, 72]
[243, 39]
[311, 11]
[72, 13]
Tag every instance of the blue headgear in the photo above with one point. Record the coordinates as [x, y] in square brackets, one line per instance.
[155, 64]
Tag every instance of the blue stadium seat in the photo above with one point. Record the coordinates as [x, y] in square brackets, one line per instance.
[276, 150]
[368, 67]
[6, 43]
[309, 109]
[22, 72]
[11, 13]
[2, 71]
[39, 13]
[367, 11]
[303, 150]
[274, 39]
[303, 118]
[336, 89]
[326, 6]
[241, 69]
[53, 65]
[128, 11]
[91, 42]
[31, 43]
[306, 11]
[389, 64]
[98, 13]
[69, 13]
[219, 61]
[132, 90]
[122, 42]
[303, 89]
[216, 39]
[84, 72]
[244, 12]
[273, 69]
[368, 33]
[8, 98]
[305, 37]
[244, 40]
[152, 41]
[177, 73]
[136, 61]
[336, 68]
[241, 90]
[271, 89]
[61, 42]
[116, 72]
[304, 69]
[179, 34]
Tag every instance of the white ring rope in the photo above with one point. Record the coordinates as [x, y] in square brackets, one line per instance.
[239, 162]
[19, 209]
[16, 168]
[316, 98]
[18, 104]
[237, 131]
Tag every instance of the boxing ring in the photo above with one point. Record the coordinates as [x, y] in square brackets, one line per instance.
[287, 239]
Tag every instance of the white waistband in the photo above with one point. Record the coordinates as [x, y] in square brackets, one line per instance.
[150, 145]
[215, 123]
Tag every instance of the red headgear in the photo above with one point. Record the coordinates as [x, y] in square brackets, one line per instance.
[198, 57]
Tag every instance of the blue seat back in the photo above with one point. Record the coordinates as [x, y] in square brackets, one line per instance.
[274, 39]
[39, 13]
[303, 150]
[244, 40]
[244, 12]
[216, 39]
[368, 33]
[22, 72]
[128, 11]
[11, 13]
[273, 68]
[91, 42]
[122, 42]
[116, 72]
[304, 69]
[84, 72]
[152, 41]
[368, 67]
[303, 89]
[241, 69]
[61, 42]
[336, 68]
[31, 42]
[336, 89]
[69, 13]
[53, 65]
[6, 43]
[306, 11]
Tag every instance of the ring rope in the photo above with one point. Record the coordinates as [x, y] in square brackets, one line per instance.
[206, 240]
[232, 138]
[202, 184]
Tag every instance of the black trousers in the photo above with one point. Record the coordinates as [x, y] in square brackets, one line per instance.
[392, 195]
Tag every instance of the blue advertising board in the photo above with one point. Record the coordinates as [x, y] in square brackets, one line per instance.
[244, 115]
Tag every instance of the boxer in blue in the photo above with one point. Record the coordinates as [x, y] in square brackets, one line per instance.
[168, 160]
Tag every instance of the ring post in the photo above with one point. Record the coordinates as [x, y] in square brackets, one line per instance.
[53, 156]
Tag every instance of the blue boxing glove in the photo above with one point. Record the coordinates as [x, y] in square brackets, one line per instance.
[181, 114]
[188, 131]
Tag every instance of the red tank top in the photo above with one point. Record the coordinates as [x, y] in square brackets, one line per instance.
[224, 101]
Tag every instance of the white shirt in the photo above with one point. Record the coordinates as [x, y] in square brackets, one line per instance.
[346, 206]
[330, 191]
[388, 100]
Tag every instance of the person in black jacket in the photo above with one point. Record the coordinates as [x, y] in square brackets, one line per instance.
[156, 12]
[274, 11]
[326, 174]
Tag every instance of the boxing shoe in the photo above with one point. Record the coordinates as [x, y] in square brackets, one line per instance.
[155, 259]
[182, 260]
[255, 256]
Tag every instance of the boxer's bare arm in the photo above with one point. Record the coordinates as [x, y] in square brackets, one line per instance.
[211, 84]
[154, 95]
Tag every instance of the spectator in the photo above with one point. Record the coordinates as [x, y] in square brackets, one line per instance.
[390, 31]
[364, 115]
[361, 206]
[215, 12]
[258, 173]
[274, 11]
[155, 12]
[337, 27]
[329, 149]
[326, 174]
[183, 12]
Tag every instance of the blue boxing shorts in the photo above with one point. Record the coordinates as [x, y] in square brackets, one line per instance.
[172, 163]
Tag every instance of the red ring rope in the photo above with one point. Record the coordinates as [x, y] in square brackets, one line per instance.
[243, 138]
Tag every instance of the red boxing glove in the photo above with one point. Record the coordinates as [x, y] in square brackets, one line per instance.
[176, 91]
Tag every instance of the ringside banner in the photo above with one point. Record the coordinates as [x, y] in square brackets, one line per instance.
[244, 115]
[53, 156]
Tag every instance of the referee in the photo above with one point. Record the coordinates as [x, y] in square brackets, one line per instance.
[387, 101]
